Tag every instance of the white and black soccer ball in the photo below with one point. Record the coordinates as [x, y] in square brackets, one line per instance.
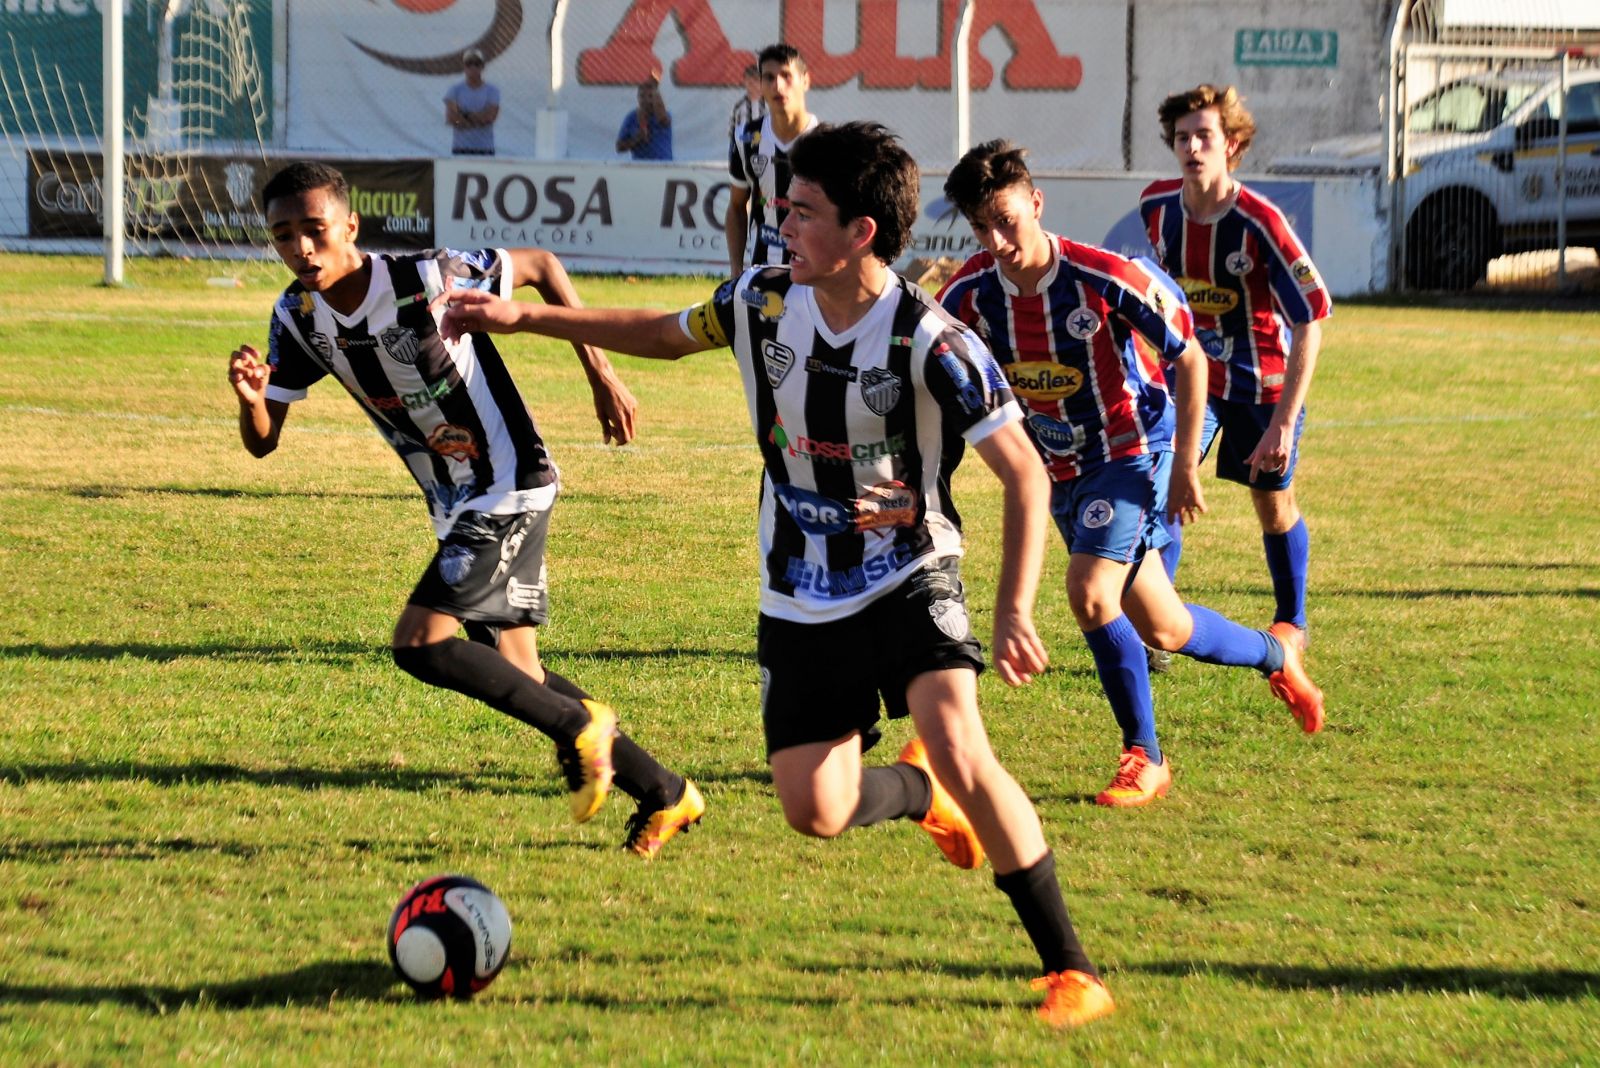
[449, 936]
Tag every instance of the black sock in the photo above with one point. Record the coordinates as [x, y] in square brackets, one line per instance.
[484, 675]
[1036, 896]
[638, 774]
[890, 792]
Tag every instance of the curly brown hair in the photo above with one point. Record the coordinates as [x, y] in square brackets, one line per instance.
[1237, 123]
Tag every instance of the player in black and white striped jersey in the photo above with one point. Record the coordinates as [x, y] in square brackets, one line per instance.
[863, 395]
[453, 414]
[758, 161]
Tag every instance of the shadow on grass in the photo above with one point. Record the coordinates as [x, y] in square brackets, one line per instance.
[1438, 593]
[379, 776]
[227, 492]
[324, 983]
[314, 651]
[383, 777]
[1553, 984]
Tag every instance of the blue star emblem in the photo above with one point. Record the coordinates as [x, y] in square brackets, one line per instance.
[1097, 514]
[1083, 322]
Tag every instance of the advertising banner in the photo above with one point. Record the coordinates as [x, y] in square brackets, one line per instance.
[667, 218]
[216, 200]
[1049, 74]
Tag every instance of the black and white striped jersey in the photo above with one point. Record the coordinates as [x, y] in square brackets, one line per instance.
[859, 431]
[759, 162]
[450, 410]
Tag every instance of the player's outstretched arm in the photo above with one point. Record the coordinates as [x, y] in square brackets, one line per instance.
[614, 405]
[1185, 500]
[260, 419]
[736, 228]
[1019, 654]
[635, 331]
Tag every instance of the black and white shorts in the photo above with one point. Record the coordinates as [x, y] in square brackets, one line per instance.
[820, 681]
[490, 569]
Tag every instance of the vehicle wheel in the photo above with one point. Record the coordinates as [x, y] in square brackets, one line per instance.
[1449, 246]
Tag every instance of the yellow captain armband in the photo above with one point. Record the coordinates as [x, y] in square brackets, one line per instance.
[702, 323]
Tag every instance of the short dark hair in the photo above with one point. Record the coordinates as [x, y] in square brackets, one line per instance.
[753, 71]
[302, 177]
[992, 167]
[780, 53]
[862, 169]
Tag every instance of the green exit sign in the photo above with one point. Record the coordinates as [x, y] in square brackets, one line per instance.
[1286, 48]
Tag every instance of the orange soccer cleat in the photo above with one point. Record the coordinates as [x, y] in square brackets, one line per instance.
[1290, 683]
[1138, 780]
[1072, 999]
[951, 830]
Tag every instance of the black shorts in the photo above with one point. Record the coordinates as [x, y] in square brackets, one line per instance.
[820, 681]
[490, 569]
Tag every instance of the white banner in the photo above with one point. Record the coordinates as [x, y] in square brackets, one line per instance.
[369, 76]
[653, 218]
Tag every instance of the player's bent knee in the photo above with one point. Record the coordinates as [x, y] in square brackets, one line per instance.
[815, 824]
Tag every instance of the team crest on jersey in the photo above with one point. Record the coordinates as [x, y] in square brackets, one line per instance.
[402, 343]
[880, 389]
[777, 359]
[758, 163]
[455, 563]
[1208, 299]
[1082, 323]
[1037, 380]
[1304, 273]
[767, 303]
[1098, 513]
[453, 442]
[322, 344]
[950, 616]
[1239, 263]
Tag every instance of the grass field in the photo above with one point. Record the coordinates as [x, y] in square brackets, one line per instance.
[214, 784]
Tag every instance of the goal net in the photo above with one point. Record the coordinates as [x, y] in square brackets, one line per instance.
[197, 124]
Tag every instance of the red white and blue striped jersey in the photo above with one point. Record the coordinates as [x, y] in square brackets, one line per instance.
[1249, 280]
[449, 409]
[1091, 393]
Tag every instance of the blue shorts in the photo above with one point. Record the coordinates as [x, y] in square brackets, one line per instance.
[1242, 425]
[1115, 510]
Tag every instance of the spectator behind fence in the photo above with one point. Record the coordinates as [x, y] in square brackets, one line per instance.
[647, 130]
[470, 107]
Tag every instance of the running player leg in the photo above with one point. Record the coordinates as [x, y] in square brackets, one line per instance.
[944, 707]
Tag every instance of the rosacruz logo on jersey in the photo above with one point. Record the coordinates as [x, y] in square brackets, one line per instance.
[1208, 298]
[1039, 380]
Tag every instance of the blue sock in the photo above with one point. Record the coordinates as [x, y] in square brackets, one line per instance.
[1172, 553]
[1288, 559]
[1219, 640]
[1125, 677]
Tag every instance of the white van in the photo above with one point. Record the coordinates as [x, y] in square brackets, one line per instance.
[1482, 178]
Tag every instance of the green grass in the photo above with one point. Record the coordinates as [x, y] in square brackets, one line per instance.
[214, 784]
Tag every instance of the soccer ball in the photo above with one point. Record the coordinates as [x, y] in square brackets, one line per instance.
[449, 936]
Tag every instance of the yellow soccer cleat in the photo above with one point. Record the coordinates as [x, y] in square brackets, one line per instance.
[586, 763]
[649, 830]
